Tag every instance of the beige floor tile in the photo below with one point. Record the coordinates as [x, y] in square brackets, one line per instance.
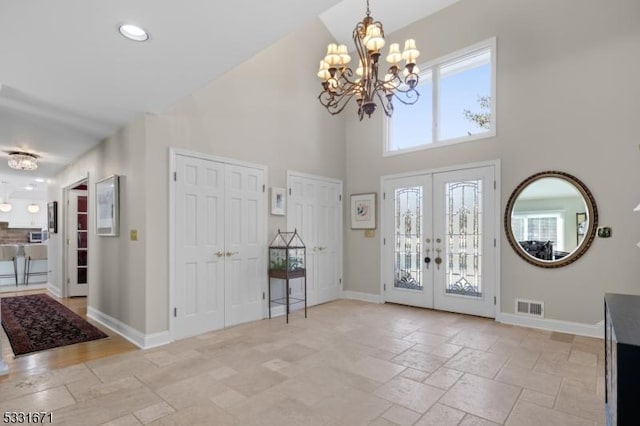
[401, 416]
[222, 372]
[482, 397]
[419, 360]
[276, 364]
[410, 394]
[588, 359]
[568, 370]
[470, 420]
[441, 415]
[474, 340]
[39, 382]
[533, 380]
[541, 399]
[228, 398]
[128, 420]
[413, 374]
[106, 408]
[254, 381]
[192, 391]
[376, 369]
[199, 415]
[425, 338]
[354, 407]
[46, 400]
[154, 412]
[477, 362]
[443, 378]
[581, 401]
[527, 414]
[349, 363]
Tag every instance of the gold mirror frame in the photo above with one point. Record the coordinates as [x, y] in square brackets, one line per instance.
[590, 233]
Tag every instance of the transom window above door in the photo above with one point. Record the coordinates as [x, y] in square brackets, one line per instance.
[457, 102]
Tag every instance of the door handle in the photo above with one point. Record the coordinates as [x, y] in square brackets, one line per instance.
[230, 253]
[219, 253]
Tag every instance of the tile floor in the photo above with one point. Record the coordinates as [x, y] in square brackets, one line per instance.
[349, 363]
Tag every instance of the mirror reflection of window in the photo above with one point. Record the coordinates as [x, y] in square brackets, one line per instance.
[543, 218]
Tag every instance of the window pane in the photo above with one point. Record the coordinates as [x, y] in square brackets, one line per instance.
[410, 126]
[464, 97]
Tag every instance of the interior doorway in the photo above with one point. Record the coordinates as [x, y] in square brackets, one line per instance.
[76, 239]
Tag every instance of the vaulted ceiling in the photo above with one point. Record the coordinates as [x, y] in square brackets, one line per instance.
[68, 79]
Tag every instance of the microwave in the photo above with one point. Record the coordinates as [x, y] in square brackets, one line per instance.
[38, 236]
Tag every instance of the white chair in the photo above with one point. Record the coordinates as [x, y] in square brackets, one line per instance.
[33, 252]
[9, 253]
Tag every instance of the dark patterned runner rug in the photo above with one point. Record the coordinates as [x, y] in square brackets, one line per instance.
[37, 322]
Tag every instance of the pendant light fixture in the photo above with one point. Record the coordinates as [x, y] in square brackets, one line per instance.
[369, 84]
[5, 207]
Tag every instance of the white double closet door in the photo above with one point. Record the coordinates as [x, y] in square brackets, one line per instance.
[439, 240]
[220, 245]
[314, 209]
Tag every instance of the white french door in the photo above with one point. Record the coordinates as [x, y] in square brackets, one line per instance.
[314, 209]
[77, 229]
[439, 240]
[220, 245]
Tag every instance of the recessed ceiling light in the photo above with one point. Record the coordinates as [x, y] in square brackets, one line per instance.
[39, 180]
[133, 32]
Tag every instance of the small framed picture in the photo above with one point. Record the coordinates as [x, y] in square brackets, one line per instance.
[107, 208]
[278, 200]
[52, 217]
[363, 211]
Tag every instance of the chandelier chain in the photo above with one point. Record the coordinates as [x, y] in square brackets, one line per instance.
[368, 11]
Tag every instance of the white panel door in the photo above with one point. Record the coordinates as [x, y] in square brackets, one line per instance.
[329, 241]
[314, 209]
[245, 248]
[438, 248]
[199, 247]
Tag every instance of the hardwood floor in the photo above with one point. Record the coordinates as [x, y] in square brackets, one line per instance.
[41, 362]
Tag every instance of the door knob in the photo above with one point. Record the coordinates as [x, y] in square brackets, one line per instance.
[219, 253]
[230, 253]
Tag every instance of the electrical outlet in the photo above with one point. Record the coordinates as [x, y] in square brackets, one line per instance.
[604, 232]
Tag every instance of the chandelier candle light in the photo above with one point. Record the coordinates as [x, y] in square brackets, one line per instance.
[338, 79]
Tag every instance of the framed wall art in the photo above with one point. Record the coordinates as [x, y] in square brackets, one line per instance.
[52, 217]
[278, 201]
[363, 211]
[107, 206]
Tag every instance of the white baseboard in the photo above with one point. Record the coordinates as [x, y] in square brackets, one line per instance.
[365, 297]
[590, 330]
[54, 290]
[4, 368]
[141, 340]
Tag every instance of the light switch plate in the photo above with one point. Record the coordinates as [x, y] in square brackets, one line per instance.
[133, 235]
[369, 233]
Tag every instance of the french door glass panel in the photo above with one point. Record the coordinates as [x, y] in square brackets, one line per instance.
[408, 255]
[448, 219]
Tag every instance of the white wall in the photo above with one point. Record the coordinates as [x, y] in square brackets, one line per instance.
[117, 281]
[265, 111]
[567, 97]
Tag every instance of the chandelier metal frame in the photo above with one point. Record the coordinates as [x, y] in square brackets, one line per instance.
[340, 84]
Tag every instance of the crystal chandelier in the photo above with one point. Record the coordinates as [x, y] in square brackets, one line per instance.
[340, 85]
[23, 161]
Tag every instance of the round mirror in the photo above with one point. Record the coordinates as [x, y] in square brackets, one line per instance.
[551, 219]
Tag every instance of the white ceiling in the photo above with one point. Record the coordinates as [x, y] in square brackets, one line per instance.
[69, 79]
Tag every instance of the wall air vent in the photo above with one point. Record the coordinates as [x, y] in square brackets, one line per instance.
[530, 308]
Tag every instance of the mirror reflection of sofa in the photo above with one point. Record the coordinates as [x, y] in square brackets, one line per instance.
[539, 249]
